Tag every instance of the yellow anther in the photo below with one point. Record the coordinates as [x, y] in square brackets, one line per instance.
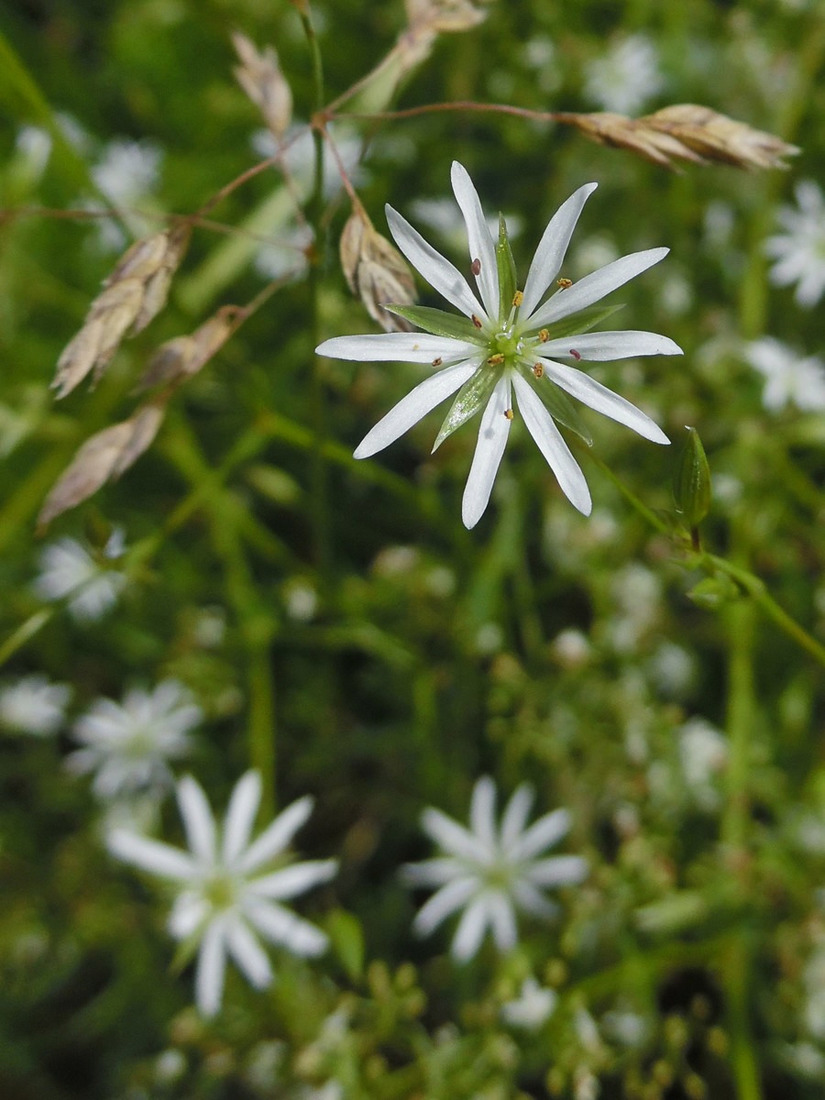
[544, 335]
[437, 362]
[518, 298]
[508, 414]
[564, 283]
[538, 369]
[497, 359]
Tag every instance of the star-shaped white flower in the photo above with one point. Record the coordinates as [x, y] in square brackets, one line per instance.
[68, 571]
[799, 250]
[34, 705]
[489, 871]
[790, 378]
[508, 343]
[227, 898]
[129, 745]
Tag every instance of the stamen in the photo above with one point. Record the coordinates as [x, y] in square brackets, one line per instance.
[497, 359]
[476, 268]
[564, 283]
[544, 335]
[476, 321]
[518, 298]
[538, 369]
[437, 362]
[508, 414]
[576, 354]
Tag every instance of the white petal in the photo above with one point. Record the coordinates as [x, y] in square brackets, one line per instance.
[277, 835]
[281, 926]
[452, 837]
[210, 972]
[470, 931]
[243, 805]
[549, 441]
[532, 901]
[189, 912]
[550, 253]
[515, 816]
[443, 904]
[545, 832]
[492, 439]
[248, 954]
[482, 811]
[432, 872]
[396, 347]
[480, 240]
[605, 401]
[592, 288]
[410, 409]
[558, 871]
[152, 855]
[294, 880]
[197, 819]
[438, 271]
[503, 920]
[601, 347]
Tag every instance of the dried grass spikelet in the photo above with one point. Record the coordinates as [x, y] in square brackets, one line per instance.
[102, 458]
[132, 295]
[685, 132]
[260, 76]
[375, 270]
[183, 356]
[443, 16]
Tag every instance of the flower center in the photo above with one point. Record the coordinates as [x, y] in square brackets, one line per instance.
[507, 343]
[220, 891]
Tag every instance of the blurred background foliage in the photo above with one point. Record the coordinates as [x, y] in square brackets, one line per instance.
[343, 632]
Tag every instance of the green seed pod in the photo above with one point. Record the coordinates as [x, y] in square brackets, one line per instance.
[691, 483]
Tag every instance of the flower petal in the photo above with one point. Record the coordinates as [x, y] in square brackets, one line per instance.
[479, 237]
[549, 441]
[189, 912]
[515, 815]
[550, 253]
[544, 833]
[453, 895]
[410, 409]
[294, 880]
[531, 900]
[470, 931]
[592, 288]
[211, 967]
[152, 855]
[248, 954]
[282, 927]
[482, 811]
[558, 871]
[197, 819]
[432, 872]
[603, 400]
[396, 347]
[601, 347]
[243, 805]
[451, 836]
[277, 835]
[503, 920]
[438, 271]
[492, 439]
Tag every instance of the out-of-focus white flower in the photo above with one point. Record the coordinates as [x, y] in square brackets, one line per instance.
[703, 753]
[672, 669]
[34, 705]
[226, 899]
[789, 377]
[300, 600]
[507, 345]
[489, 871]
[68, 570]
[287, 255]
[532, 1008]
[799, 250]
[626, 77]
[571, 648]
[127, 170]
[637, 591]
[34, 144]
[298, 150]
[128, 745]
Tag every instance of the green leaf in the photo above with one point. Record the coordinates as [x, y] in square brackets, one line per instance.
[438, 322]
[691, 481]
[583, 321]
[560, 406]
[469, 399]
[506, 269]
[347, 938]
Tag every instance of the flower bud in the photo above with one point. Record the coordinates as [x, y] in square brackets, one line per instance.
[691, 482]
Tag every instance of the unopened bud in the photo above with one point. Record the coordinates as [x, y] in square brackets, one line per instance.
[691, 482]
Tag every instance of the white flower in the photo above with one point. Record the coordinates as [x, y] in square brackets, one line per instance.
[507, 341]
[626, 77]
[128, 170]
[491, 872]
[67, 569]
[34, 705]
[224, 899]
[789, 378]
[532, 1008]
[799, 250]
[703, 754]
[128, 745]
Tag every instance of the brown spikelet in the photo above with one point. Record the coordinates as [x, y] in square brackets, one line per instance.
[444, 16]
[375, 270]
[260, 76]
[132, 295]
[102, 458]
[183, 356]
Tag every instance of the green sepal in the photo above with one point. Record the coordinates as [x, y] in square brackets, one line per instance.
[691, 481]
[559, 405]
[506, 266]
[469, 399]
[439, 323]
[583, 321]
